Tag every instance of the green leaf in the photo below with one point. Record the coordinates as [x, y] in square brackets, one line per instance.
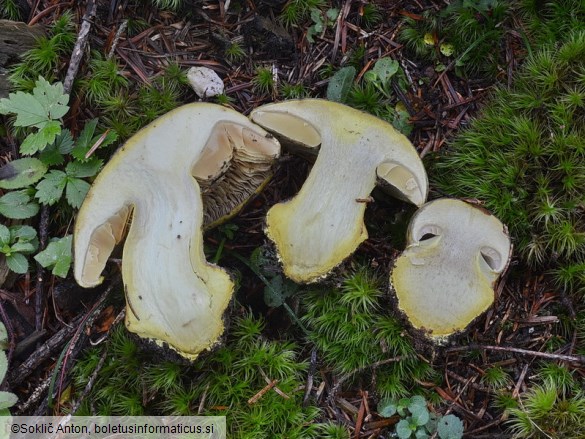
[23, 247]
[278, 289]
[340, 84]
[28, 110]
[47, 102]
[3, 361]
[420, 414]
[403, 429]
[53, 154]
[385, 68]
[401, 123]
[421, 434]
[18, 205]
[38, 141]
[81, 170]
[7, 400]
[76, 191]
[23, 233]
[21, 173]
[57, 255]
[3, 339]
[52, 98]
[450, 427]
[386, 408]
[332, 14]
[417, 400]
[85, 140]
[50, 189]
[64, 142]
[4, 235]
[17, 262]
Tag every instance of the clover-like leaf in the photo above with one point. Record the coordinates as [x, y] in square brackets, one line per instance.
[403, 429]
[450, 427]
[387, 407]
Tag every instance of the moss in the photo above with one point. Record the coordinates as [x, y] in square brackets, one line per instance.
[524, 157]
[352, 332]
[131, 382]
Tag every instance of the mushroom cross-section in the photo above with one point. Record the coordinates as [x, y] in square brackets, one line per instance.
[323, 224]
[445, 278]
[173, 294]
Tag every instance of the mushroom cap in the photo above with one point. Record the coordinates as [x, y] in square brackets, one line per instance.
[323, 224]
[445, 278]
[173, 294]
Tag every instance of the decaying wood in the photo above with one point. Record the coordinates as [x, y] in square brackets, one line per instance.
[15, 39]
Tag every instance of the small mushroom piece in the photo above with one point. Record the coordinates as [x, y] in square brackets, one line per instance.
[323, 224]
[173, 294]
[445, 278]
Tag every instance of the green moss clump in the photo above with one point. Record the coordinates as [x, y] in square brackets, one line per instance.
[469, 32]
[524, 157]
[352, 332]
[132, 383]
[45, 59]
[550, 21]
[553, 408]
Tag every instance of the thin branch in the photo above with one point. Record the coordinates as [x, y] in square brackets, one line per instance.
[570, 358]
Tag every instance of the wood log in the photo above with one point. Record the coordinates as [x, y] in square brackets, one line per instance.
[15, 39]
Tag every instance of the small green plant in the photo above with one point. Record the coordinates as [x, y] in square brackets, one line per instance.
[352, 332]
[374, 94]
[470, 31]
[15, 243]
[172, 5]
[524, 158]
[264, 81]
[370, 15]
[495, 377]
[40, 112]
[417, 422]
[234, 52]
[293, 91]
[296, 11]
[545, 411]
[7, 399]
[44, 59]
[321, 22]
[10, 10]
[548, 22]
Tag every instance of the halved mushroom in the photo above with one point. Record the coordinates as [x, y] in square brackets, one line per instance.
[445, 278]
[323, 224]
[173, 294]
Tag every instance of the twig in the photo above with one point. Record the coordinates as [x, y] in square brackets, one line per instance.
[40, 284]
[91, 381]
[570, 358]
[117, 37]
[309, 385]
[80, 44]
[43, 352]
[254, 399]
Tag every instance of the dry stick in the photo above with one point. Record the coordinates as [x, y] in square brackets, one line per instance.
[80, 44]
[570, 358]
[43, 352]
[312, 369]
[40, 293]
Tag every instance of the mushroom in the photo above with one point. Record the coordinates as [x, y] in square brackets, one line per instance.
[445, 278]
[323, 224]
[173, 294]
